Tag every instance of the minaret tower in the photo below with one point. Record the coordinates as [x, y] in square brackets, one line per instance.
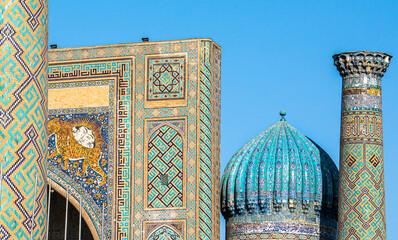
[23, 117]
[361, 187]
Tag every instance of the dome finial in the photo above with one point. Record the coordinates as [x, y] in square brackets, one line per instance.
[283, 114]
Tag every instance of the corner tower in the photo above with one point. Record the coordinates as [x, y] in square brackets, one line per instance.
[361, 187]
[23, 115]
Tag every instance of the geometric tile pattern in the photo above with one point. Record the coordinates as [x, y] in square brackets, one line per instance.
[216, 100]
[130, 200]
[361, 186]
[165, 80]
[165, 158]
[92, 176]
[205, 143]
[350, 160]
[374, 160]
[169, 229]
[362, 197]
[23, 114]
[280, 229]
[273, 236]
[164, 233]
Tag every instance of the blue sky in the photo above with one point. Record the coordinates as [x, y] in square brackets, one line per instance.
[275, 54]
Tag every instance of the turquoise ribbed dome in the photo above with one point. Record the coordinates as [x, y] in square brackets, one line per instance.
[280, 170]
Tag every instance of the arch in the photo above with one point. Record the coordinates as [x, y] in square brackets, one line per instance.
[75, 203]
[164, 233]
[164, 173]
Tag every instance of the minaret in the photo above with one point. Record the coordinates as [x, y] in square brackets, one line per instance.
[361, 187]
[23, 116]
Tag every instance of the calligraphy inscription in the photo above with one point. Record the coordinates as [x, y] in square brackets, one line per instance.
[362, 126]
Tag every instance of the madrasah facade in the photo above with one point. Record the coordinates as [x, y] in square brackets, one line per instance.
[123, 142]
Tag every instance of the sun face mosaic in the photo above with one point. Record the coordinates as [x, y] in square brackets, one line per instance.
[87, 102]
[78, 145]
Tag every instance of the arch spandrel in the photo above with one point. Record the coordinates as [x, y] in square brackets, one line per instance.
[78, 160]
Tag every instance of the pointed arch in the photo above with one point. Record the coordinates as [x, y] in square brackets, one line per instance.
[164, 232]
[75, 203]
[164, 168]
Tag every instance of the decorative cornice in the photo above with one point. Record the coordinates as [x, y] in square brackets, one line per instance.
[350, 64]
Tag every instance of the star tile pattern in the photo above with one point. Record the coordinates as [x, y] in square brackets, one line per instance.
[166, 80]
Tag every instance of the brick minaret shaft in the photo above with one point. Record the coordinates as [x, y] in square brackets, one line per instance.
[361, 187]
[23, 118]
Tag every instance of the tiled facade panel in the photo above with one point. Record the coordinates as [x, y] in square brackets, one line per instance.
[165, 160]
[147, 120]
[88, 134]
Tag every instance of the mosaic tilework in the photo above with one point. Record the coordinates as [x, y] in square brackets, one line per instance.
[164, 233]
[262, 175]
[96, 184]
[142, 113]
[169, 49]
[359, 126]
[165, 160]
[216, 63]
[281, 229]
[86, 173]
[88, 164]
[205, 145]
[165, 80]
[171, 229]
[280, 182]
[362, 201]
[361, 190]
[23, 115]
[274, 236]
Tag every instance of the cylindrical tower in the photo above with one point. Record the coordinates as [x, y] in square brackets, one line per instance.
[361, 187]
[23, 116]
